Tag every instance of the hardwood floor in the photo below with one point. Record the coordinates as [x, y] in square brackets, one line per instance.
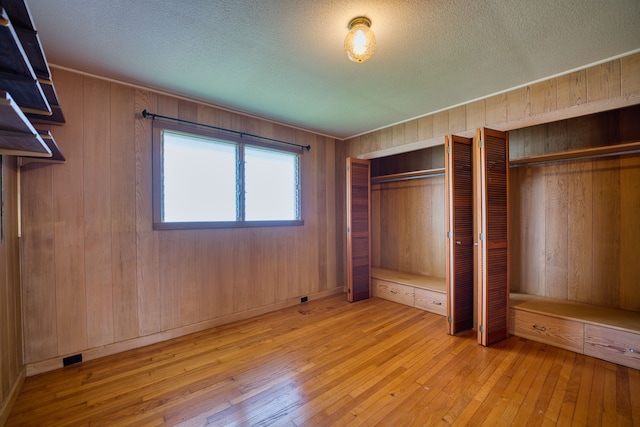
[330, 362]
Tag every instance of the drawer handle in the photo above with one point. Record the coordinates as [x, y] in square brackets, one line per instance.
[393, 291]
[631, 350]
[437, 303]
[539, 328]
[458, 242]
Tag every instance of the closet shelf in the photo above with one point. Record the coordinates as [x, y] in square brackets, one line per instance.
[17, 135]
[16, 73]
[407, 175]
[586, 153]
[27, 94]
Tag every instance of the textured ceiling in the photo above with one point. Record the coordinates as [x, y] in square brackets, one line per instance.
[283, 59]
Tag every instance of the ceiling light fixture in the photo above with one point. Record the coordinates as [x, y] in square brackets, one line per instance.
[360, 42]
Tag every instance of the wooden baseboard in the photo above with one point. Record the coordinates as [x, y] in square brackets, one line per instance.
[8, 403]
[107, 350]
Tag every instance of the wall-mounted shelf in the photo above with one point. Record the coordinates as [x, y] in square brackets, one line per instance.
[586, 153]
[56, 155]
[27, 94]
[17, 135]
[16, 73]
[426, 173]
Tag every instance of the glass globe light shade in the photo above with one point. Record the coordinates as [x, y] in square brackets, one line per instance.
[360, 42]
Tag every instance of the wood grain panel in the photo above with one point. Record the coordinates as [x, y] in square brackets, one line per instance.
[556, 233]
[544, 97]
[572, 89]
[457, 119]
[38, 264]
[603, 81]
[476, 114]
[614, 345]
[630, 75]
[97, 212]
[629, 232]
[606, 232]
[147, 259]
[123, 213]
[11, 331]
[580, 227]
[68, 221]
[567, 334]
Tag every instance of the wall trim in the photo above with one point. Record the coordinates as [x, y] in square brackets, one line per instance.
[118, 347]
[8, 403]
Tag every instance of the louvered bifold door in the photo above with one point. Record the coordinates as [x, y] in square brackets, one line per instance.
[492, 231]
[459, 213]
[358, 230]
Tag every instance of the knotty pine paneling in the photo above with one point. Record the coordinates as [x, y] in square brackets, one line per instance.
[11, 331]
[97, 278]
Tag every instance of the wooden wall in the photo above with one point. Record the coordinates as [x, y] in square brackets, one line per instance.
[97, 279]
[407, 226]
[11, 365]
[602, 87]
[574, 224]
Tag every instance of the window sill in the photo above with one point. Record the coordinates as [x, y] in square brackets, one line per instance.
[224, 224]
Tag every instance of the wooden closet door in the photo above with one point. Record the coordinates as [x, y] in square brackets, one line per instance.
[358, 230]
[459, 214]
[491, 166]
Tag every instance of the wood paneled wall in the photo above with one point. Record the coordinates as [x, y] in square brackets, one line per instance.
[98, 279]
[408, 222]
[607, 86]
[11, 365]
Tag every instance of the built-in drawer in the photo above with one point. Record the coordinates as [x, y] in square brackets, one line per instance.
[613, 345]
[435, 302]
[563, 333]
[392, 291]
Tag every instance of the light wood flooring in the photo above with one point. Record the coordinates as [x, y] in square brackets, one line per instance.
[329, 362]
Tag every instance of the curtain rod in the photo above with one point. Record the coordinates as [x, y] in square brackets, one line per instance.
[153, 116]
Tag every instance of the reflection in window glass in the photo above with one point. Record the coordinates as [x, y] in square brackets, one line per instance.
[199, 179]
[270, 185]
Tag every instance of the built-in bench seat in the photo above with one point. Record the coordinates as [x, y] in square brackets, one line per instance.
[412, 289]
[606, 333]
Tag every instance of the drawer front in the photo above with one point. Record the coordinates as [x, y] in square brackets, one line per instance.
[393, 291]
[613, 345]
[435, 302]
[567, 334]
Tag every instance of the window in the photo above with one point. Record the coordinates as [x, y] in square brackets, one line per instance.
[207, 179]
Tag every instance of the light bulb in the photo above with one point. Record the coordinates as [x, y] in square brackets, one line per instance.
[360, 42]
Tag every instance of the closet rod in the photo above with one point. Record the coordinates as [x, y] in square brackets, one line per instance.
[153, 116]
[404, 176]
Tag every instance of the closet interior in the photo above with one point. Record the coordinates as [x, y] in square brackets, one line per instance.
[567, 228]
